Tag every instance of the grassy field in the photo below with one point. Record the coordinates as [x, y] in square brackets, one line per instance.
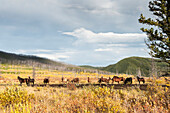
[9, 73]
[25, 99]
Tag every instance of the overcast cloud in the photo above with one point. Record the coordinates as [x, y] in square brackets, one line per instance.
[79, 32]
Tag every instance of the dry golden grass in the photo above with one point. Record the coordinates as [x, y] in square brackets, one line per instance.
[87, 99]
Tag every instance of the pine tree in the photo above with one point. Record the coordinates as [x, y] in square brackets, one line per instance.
[159, 32]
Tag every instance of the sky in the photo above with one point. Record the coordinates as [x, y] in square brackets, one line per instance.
[78, 32]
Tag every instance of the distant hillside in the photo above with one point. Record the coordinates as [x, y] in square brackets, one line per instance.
[18, 59]
[11, 57]
[132, 64]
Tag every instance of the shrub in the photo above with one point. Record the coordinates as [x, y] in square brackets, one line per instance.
[15, 96]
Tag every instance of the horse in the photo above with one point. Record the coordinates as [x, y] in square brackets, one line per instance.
[128, 80]
[88, 79]
[140, 79]
[117, 79]
[62, 79]
[23, 80]
[46, 80]
[75, 80]
[31, 81]
[165, 75]
[104, 80]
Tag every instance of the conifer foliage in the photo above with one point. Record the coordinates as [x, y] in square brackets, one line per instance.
[158, 32]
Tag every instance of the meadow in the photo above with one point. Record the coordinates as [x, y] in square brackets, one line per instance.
[27, 99]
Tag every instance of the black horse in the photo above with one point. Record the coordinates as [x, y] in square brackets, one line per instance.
[46, 81]
[31, 81]
[23, 80]
[165, 75]
[140, 79]
[128, 80]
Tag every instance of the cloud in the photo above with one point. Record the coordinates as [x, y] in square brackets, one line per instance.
[86, 36]
[68, 15]
[101, 49]
[33, 51]
[57, 55]
[101, 7]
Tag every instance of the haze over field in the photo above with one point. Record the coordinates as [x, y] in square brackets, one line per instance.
[86, 32]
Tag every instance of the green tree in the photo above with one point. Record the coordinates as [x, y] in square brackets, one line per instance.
[158, 32]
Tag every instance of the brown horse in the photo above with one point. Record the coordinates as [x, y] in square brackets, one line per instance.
[104, 80]
[140, 79]
[46, 81]
[75, 80]
[62, 79]
[30, 81]
[117, 79]
[88, 79]
[23, 80]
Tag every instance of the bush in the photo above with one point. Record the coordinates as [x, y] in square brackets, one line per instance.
[14, 96]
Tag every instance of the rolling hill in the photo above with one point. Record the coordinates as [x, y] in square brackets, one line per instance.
[131, 65]
[11, 57]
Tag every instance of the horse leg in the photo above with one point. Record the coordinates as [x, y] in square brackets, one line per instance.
[27, 82]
